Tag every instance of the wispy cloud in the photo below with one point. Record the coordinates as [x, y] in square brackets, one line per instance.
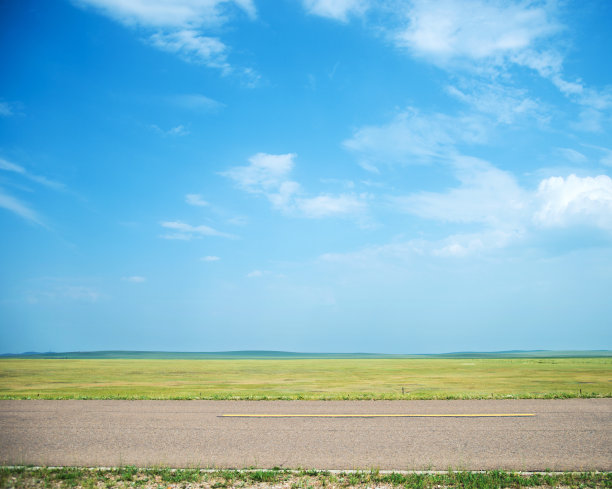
[64, 293]
[19, 170]
[269, 175]
[14, 205]
[210, 258]
[6, 109]
[414, 138]
[486, 195]
[175, 13]
[505, 104]
[196, 102]
[135, 279]
[336, 9]
[331, 205]
[572, 155]
[448, 31]
[181, 25]
[173, 131]
[257, 273]
[495, 212]
[195, 200]
[184, 231]
[194, 47]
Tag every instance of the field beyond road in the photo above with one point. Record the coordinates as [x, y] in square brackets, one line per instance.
[463, 378]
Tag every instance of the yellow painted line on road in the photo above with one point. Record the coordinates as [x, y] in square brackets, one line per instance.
[488, 415]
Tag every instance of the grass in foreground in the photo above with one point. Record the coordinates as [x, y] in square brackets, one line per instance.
[306, 379]
[303, 479]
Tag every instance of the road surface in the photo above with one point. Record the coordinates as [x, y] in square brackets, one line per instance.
[572, 434]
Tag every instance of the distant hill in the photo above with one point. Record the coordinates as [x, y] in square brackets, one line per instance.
[284, 355]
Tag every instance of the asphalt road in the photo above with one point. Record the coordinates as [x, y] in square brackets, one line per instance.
[573, 434]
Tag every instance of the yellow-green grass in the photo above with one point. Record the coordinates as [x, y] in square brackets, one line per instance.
[305, 379]
[125, 477]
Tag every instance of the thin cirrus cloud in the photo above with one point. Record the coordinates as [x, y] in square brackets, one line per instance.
[6, 109]
[210, 258]
[196, 200]
[135, 279]
[183, 231]
[269, 175]
[15, 205]
[193, 47]
[483, 38]
[336, 9]
[21, 171]
[179, 130]
[180, 25]
[412, 137]
[195, 102]
[488, 36]
[504, 103]
[486, 195]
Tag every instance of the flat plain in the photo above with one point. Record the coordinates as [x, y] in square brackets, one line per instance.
[315, 378]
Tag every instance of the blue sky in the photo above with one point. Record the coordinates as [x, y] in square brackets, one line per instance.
[316, 175]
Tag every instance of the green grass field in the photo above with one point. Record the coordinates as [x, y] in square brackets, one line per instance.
[458, 378]
[301, 479]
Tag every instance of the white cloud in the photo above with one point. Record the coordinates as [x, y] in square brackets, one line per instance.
[486, 36]
[264, 171]
[210, 258]
[184, 231]
[449, 30]
[195, 200]
[269, 175]
[12, 204]
[508, 219]
[180, 25]
[336, 9]
[414, 138]
[492, 197]
[486, 195]
[170, 13]
[135, 279]
[329, 205]
[194, 47]
[575, 200]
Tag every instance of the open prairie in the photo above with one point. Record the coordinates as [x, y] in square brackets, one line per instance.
[462, 378]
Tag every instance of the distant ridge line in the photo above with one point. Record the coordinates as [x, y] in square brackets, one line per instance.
[275, 354]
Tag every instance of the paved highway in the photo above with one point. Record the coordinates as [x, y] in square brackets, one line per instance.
[573, 434]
